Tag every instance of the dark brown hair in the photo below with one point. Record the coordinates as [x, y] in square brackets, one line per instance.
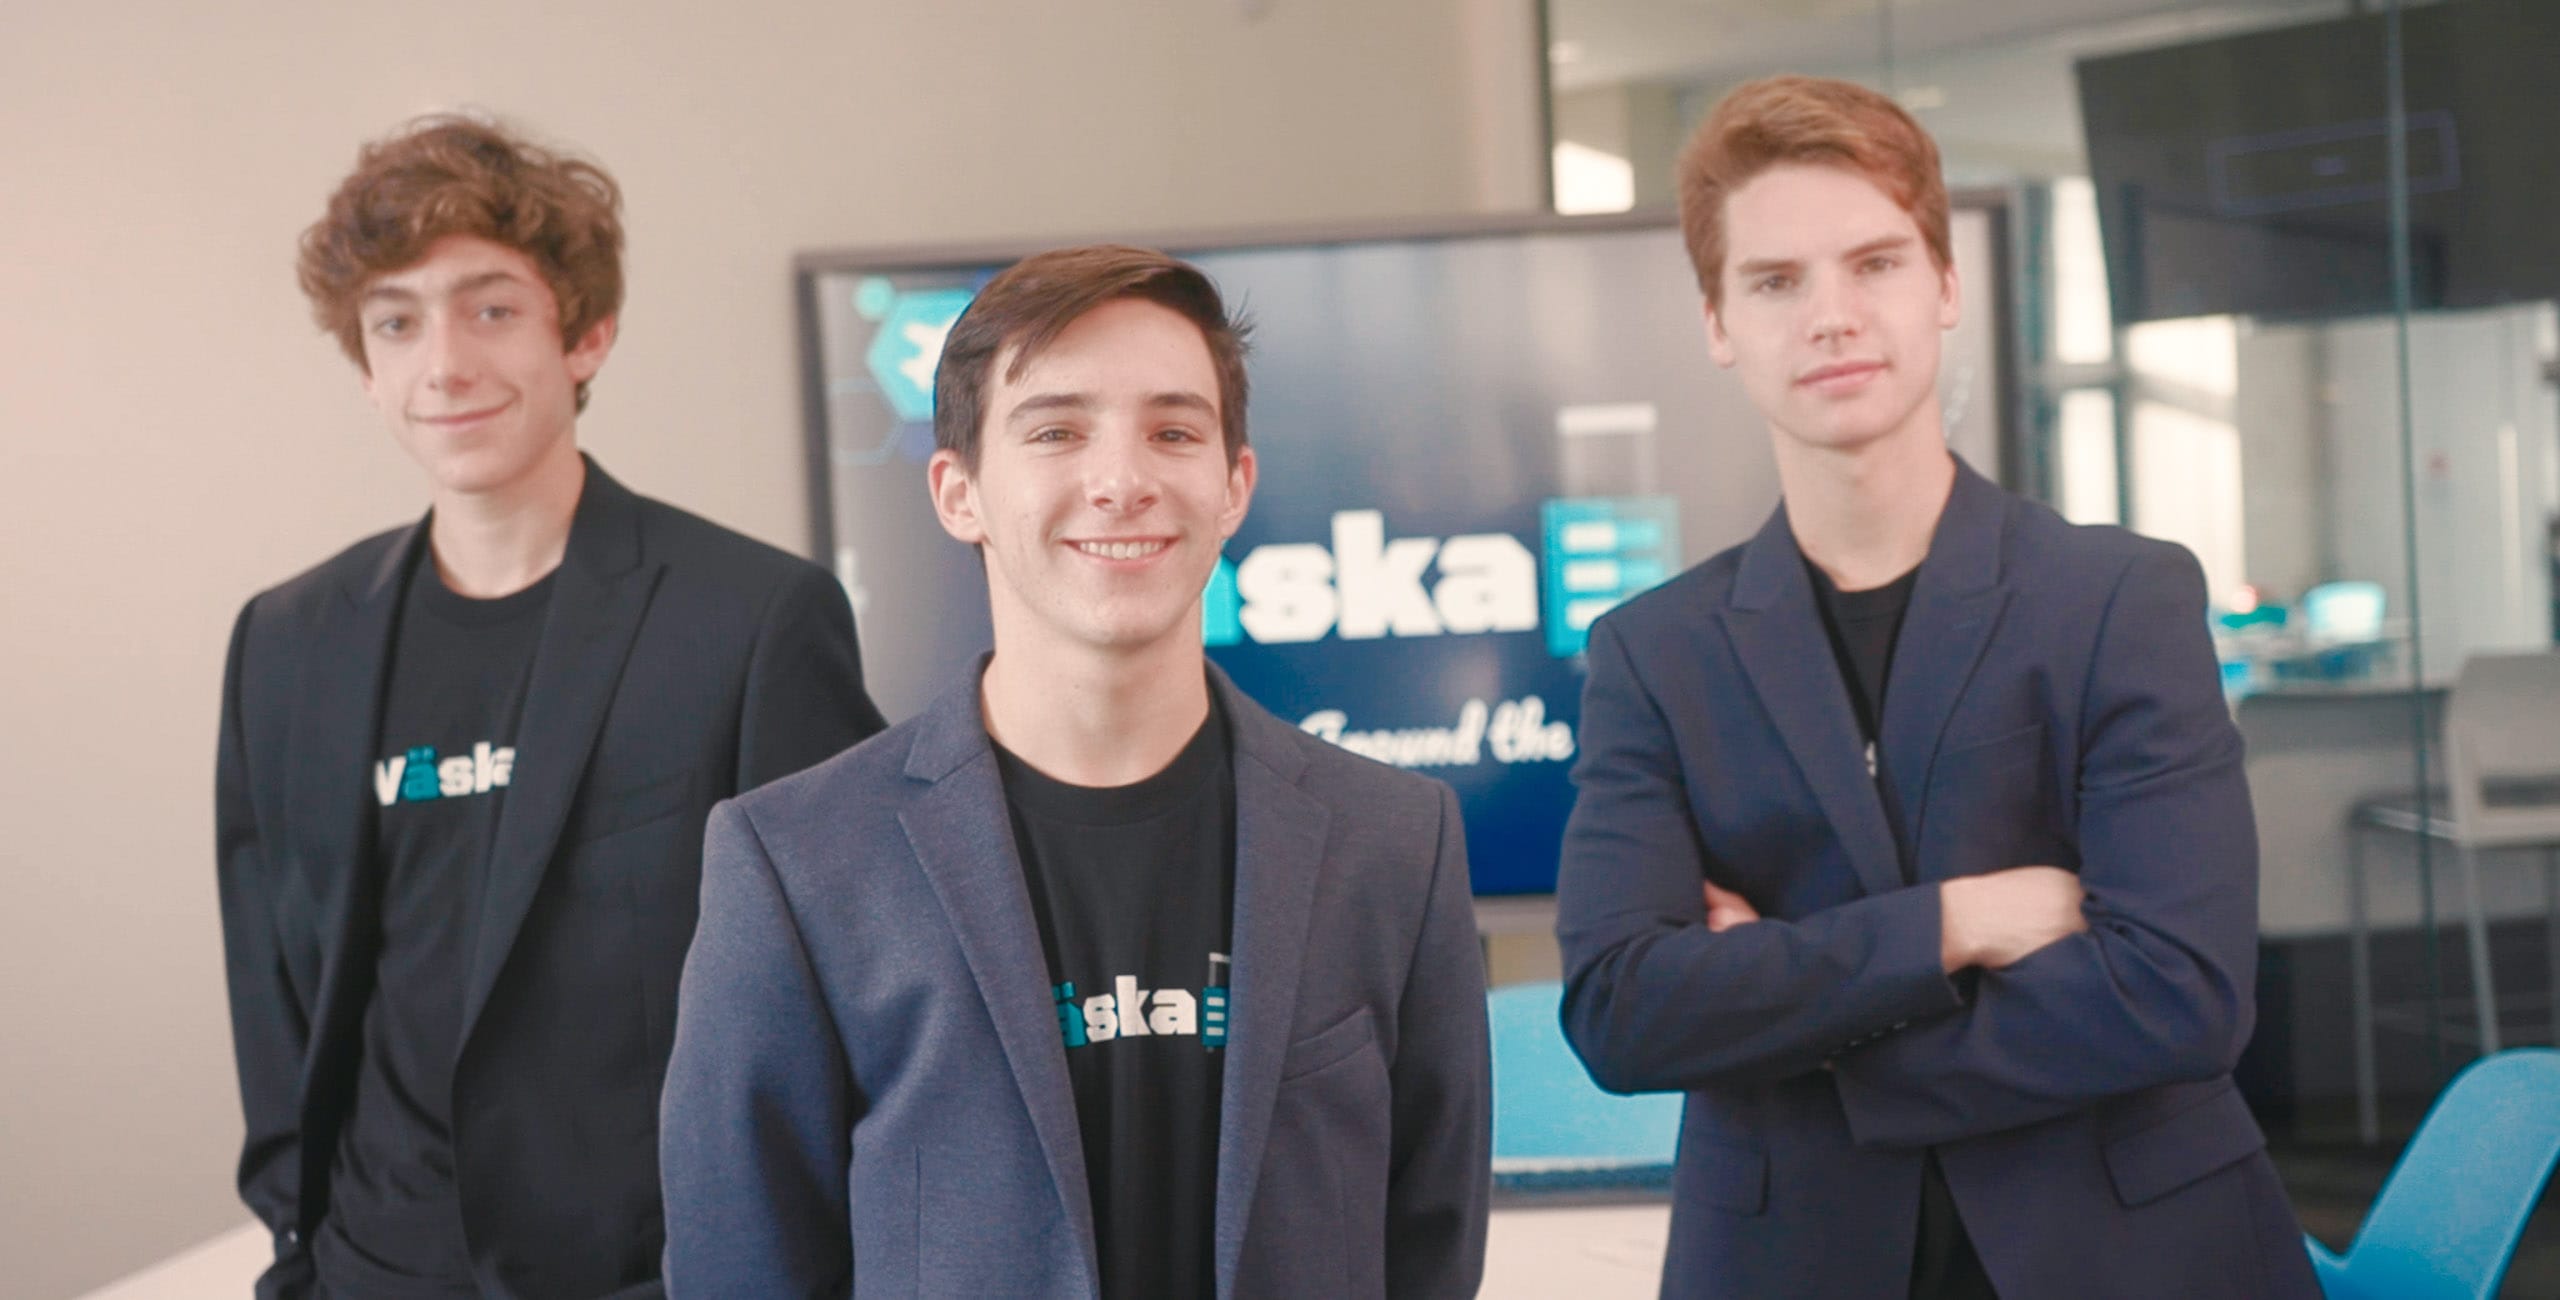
[1026, 306]
[1805, 120]
[443, 175]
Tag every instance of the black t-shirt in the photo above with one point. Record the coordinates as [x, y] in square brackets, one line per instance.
[1863, 626]
[455, 689]
[1133, 887]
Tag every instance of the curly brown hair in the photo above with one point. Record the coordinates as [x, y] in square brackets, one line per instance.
[1805, 120]
[447, 174]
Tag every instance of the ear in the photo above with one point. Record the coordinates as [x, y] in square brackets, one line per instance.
[955, 497]
[1719, 344]
[1240, 479]
[1950, 298]
[586, 356]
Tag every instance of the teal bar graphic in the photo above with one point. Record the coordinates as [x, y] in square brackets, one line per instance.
[1597, 552]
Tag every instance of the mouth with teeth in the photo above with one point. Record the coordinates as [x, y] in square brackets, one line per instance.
[1136, 550]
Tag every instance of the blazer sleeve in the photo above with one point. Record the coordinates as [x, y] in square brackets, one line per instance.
[1442, 1127]
[759, 1107]
[270, 1026]
[1653, 1000]
[2160, 988]
[805, 700]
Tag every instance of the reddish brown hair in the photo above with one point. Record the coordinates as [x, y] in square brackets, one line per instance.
[1817, 120]
[1028, 303]
[444, 175]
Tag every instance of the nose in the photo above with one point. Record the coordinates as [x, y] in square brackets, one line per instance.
[446, 353]
[1120, 472]
[1831, 309]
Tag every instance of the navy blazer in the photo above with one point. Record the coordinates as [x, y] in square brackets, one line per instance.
[869, 1091]
[2053, 700]
[679, 663]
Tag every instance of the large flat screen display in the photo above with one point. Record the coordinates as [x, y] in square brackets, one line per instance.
[1472, 442]
[2252, 174]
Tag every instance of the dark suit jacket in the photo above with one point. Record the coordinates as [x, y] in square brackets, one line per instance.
[2054, 699]
[869, 1093]
[679, 663]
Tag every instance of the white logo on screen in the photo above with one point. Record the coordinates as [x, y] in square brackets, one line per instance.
[1367, 586]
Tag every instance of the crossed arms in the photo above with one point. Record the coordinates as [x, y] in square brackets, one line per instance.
[2135, 972]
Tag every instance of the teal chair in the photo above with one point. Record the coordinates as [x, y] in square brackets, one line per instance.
[1552, 1126]
[2448, 1218]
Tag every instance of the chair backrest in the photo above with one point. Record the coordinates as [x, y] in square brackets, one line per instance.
[2448, 1218]
[2502, 749]
[1547, 1111]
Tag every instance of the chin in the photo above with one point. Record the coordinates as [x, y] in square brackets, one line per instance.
[481, 469]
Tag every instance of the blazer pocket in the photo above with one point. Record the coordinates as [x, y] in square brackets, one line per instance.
[610, 810]
[1329, 1046]
[1731, 1178]
[2007, 749]
[2152, 1162]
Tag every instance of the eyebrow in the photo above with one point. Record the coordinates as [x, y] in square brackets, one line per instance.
[1882, 244]
[1177, 399]
[468, 284]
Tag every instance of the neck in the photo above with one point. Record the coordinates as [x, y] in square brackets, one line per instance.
[497, 543]
[1864, 515]
[1096, 718]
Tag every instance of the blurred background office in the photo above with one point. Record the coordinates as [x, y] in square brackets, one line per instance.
[2231, 306]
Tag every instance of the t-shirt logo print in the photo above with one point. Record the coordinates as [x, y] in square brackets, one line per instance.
[1128, 1011]
[415, 775]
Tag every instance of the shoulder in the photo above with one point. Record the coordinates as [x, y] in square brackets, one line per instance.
[302, 598]
[684, 539]
[1375, 796]
[2095, 559]
[1675, 615]
[857, 786]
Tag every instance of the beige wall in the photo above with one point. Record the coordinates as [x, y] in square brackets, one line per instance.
[174, 435]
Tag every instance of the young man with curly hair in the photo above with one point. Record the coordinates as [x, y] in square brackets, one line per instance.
[1912, 842]
[465, 764]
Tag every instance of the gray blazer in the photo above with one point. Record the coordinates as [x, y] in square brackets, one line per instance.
[869, 1088]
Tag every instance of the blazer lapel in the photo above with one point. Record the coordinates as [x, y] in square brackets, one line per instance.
[1955, 605]
[329, 798]
[597, 600]
[1777, 632]
[1280, 838]
[964, 841]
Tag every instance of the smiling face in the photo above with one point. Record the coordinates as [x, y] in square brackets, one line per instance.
[1102, 490]
[1832, 309]
[463, 357]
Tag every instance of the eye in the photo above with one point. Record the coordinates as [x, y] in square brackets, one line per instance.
[1178, 433]
[1051, 433]
[497, 311]
[389, 327]
[1880, 263]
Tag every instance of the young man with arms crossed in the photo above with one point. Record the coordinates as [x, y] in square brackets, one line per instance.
[1095, 979]
[465, 764]
[1912, 841]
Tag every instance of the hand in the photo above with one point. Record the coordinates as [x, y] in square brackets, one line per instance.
[1727, 909]
[1995, 920]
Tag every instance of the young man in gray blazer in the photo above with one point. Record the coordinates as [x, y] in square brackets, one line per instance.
[465, 764]
[1095, 979]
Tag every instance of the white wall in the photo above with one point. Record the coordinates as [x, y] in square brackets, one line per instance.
[177, 435]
